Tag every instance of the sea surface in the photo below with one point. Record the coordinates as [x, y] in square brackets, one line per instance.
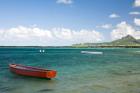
[117, 70]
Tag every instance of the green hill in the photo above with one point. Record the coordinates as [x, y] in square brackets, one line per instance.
[127, 41]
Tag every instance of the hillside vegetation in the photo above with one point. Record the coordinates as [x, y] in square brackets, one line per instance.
[127, 41]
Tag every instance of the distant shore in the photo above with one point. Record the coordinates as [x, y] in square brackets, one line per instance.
[70, 46]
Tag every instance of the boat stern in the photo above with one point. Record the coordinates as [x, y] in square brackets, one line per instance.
[51, 74]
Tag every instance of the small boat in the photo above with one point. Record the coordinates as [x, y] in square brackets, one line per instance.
[32, 71]
[91, 52]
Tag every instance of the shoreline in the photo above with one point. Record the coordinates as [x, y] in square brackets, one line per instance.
[69, 46]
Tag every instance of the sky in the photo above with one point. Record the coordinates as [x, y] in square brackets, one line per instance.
[66, 22]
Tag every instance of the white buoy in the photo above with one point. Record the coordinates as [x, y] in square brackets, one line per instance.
[42, 51]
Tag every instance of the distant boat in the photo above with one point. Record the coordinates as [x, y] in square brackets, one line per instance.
[91, 52]
[41, 50]
[32, 71]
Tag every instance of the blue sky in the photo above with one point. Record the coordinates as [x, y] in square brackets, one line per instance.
[48, 13]
[106, 17]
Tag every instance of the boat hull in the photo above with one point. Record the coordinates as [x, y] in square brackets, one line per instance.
[91, 52]
[31, 71]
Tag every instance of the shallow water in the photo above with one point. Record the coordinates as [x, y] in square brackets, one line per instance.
[116, 71]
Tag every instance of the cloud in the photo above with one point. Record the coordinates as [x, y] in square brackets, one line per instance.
[122, 29]
[105, 26]
[134, 13]
[137, 21]
[35, 36]
[114, 15]
[64, 1]
[137, 3]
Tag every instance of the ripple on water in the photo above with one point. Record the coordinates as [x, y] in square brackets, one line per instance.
[45, 90]
[6, 89]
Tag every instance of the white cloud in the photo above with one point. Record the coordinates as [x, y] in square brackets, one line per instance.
[114, 15]
[33, 36]
[137, 21]
[64, 1]
[134, 13]
[137, 3]
[122, 29]
[105, 26]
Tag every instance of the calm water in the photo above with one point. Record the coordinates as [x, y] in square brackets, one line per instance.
[116, 71]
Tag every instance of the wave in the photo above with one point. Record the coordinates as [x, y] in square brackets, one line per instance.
[91, 52]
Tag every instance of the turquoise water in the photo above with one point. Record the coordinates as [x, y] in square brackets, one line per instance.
[116, 71]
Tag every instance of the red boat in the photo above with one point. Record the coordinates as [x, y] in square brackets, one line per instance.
[32, 71]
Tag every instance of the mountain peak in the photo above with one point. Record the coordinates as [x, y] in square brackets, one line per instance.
[129, 37]
[127, 40]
